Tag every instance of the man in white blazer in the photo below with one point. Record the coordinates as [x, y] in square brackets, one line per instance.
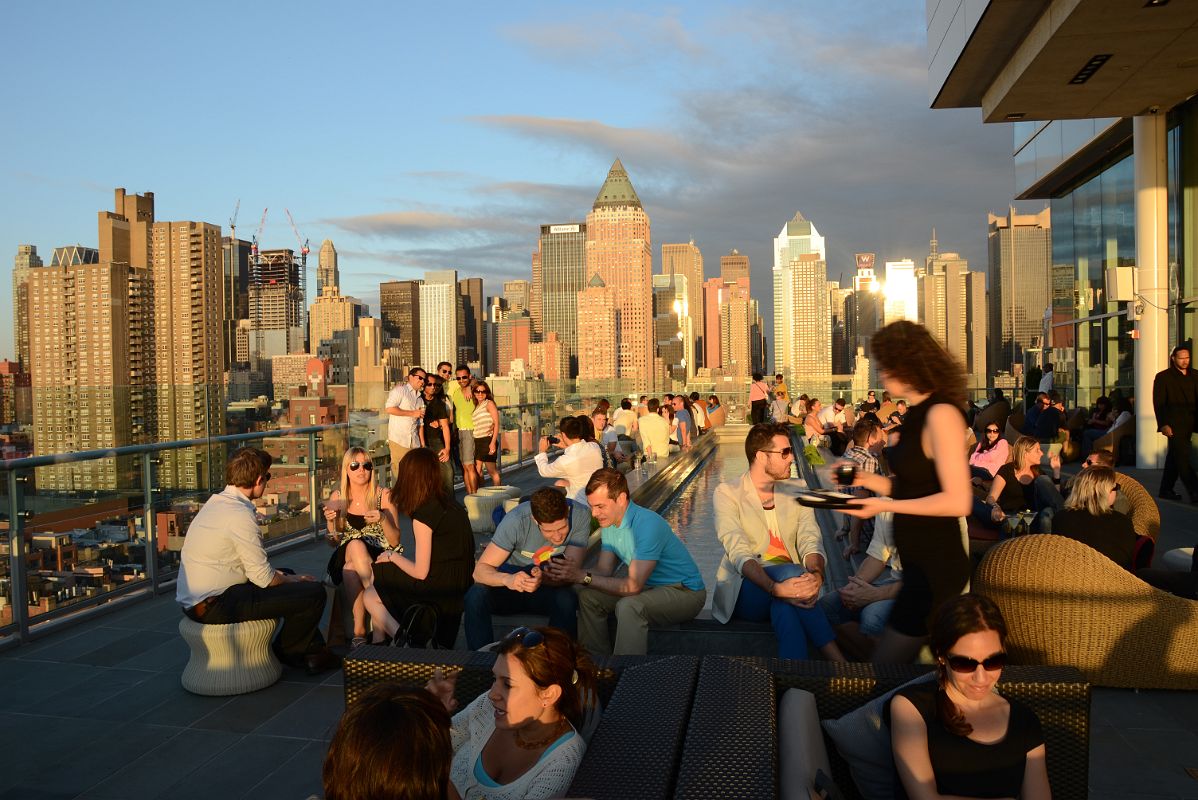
[773, 564]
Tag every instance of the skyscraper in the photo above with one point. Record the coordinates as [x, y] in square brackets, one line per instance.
[949, 310]
[618, 250]
[276, 304]
[235, 254]
[712, 296]
[472, 345]
[901, 292]
[516, 293]
[399, 307]
[438, 317]
[535, 304]
[739, 326]
[186, 350]
[802, 324]
[25, 260]
[561, 254]
[1020, 255]
[843, 351]
[513, 334]
[867, 303]
[597, 358]
[331, 312]
[734, 266]
[673, 327]
[327, 273]
[687, 260]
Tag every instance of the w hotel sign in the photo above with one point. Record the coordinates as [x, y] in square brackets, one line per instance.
[865, 261]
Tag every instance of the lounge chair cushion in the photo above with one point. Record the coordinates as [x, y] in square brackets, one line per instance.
[800, 744]
[863, 740]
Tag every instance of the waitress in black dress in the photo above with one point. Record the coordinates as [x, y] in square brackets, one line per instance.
[929, 490]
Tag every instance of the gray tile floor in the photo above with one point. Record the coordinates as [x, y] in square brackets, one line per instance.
[96, 711]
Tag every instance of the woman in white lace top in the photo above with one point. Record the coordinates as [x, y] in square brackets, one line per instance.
[521, 738]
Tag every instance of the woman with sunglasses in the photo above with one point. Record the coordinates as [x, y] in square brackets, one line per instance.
[521, 739]
[958, 736]
[355, 526]
[438, 574]
[435, 432]
[990, 454]
[486, 432]
[1020, 484]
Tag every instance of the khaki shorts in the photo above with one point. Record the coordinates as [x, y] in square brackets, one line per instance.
[466, 446]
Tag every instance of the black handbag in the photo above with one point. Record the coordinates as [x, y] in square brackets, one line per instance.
[418, 627]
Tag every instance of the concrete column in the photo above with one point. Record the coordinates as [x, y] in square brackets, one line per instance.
[1151, 350]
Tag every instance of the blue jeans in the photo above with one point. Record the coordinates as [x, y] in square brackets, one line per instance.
[871, 619]
[558, 603]
[1046, 501]
[793, 626]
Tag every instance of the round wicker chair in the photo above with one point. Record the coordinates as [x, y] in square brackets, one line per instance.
[1066, 604]
[1145, 514]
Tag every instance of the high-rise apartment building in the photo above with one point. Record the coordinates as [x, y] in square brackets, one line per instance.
[332, 312]
[497, 311]
[276, 305]
[740, 324]
[673, 327]
[734, 266]
[186, 350]
[949, 310]
[517, 295]
[235, 254]
[438, 317]
[712, 291]
[15, 395]
[1020, 255]
[327, 271]
[619, 251]
[399, 307]
[597, 315]
[472, 344]
[88, 313]
[561, 256]
[25, 260]
[802, 323]
[841, 307]
[546, 359]
[867, 302]
[901, 292]
[514, 335]
[687, 260]
[535, 304]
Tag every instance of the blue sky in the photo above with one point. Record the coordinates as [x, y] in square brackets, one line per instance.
[419, 137]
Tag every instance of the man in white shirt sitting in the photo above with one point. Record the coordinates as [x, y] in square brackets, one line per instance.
[226, 577]
[833, 420]
[578, 461]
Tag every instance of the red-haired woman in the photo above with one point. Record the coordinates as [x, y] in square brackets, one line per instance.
[439, 572]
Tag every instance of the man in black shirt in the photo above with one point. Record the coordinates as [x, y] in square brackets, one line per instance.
[1175, 400]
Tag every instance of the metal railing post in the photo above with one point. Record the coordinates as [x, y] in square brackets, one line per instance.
[519, 434]
[313, 489]
[147, 482]
[16, 556]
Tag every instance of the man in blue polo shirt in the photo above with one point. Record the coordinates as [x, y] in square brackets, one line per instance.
[510, 576]
[663, 586]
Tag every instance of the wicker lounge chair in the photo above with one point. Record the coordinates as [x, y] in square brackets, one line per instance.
[731, 741]
[1110, 441]
[1067, 604]
[1145, 514]
[997, 413]
[1014, 427]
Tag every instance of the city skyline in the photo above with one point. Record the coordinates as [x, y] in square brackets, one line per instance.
[468, 187]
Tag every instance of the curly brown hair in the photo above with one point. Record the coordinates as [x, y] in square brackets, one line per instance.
[908, 352]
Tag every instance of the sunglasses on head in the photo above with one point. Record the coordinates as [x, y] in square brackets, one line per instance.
[529, 637]
[354, 466]
[965, 665]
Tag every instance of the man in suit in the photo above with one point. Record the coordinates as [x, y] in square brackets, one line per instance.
[1175, 400]
[773, 565]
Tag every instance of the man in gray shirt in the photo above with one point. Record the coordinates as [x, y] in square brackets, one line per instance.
[226, 577]
[508, 578]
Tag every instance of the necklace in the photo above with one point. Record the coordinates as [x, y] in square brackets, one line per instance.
[540, 744]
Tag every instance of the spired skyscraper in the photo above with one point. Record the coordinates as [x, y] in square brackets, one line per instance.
[327, 273]
[618, 250]
[802, 322]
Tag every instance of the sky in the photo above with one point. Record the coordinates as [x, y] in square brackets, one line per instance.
[418, 136]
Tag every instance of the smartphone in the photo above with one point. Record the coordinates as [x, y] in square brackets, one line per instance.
[552, 439]
[558, 557]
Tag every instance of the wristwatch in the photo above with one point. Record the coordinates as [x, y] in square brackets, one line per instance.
[586, 579]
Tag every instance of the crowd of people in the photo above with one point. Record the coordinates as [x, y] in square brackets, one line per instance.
[914, 487]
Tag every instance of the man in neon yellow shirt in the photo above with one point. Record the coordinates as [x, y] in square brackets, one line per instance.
[463, 408]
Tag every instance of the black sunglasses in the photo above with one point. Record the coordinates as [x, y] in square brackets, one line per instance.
[444, 371]
[357, 465]
[965, 665]
[992, 430]
[529, 637]
[420, 378]
[785, 452]
[463, 377]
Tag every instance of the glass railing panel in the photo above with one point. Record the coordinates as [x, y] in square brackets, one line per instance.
[8, 617]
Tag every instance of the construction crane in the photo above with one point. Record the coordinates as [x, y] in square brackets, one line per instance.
[258, 236]
[303, 243]
[233, 221]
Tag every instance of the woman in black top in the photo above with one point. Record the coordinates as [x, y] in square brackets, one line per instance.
[958, 736]
[930, 483]
[1089, 518]
[1021, 485]
[439, 573]
[435, 431]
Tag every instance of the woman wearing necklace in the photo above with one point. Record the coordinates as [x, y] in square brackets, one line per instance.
[520, 739]
[958, 737]
[355, 526]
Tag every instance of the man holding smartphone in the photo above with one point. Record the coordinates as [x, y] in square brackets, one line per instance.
[511, 576]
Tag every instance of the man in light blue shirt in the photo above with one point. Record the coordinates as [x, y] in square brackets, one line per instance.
[509, 577]
[663, 586]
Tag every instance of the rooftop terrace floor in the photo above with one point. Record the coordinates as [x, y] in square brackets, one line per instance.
[97, 711]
